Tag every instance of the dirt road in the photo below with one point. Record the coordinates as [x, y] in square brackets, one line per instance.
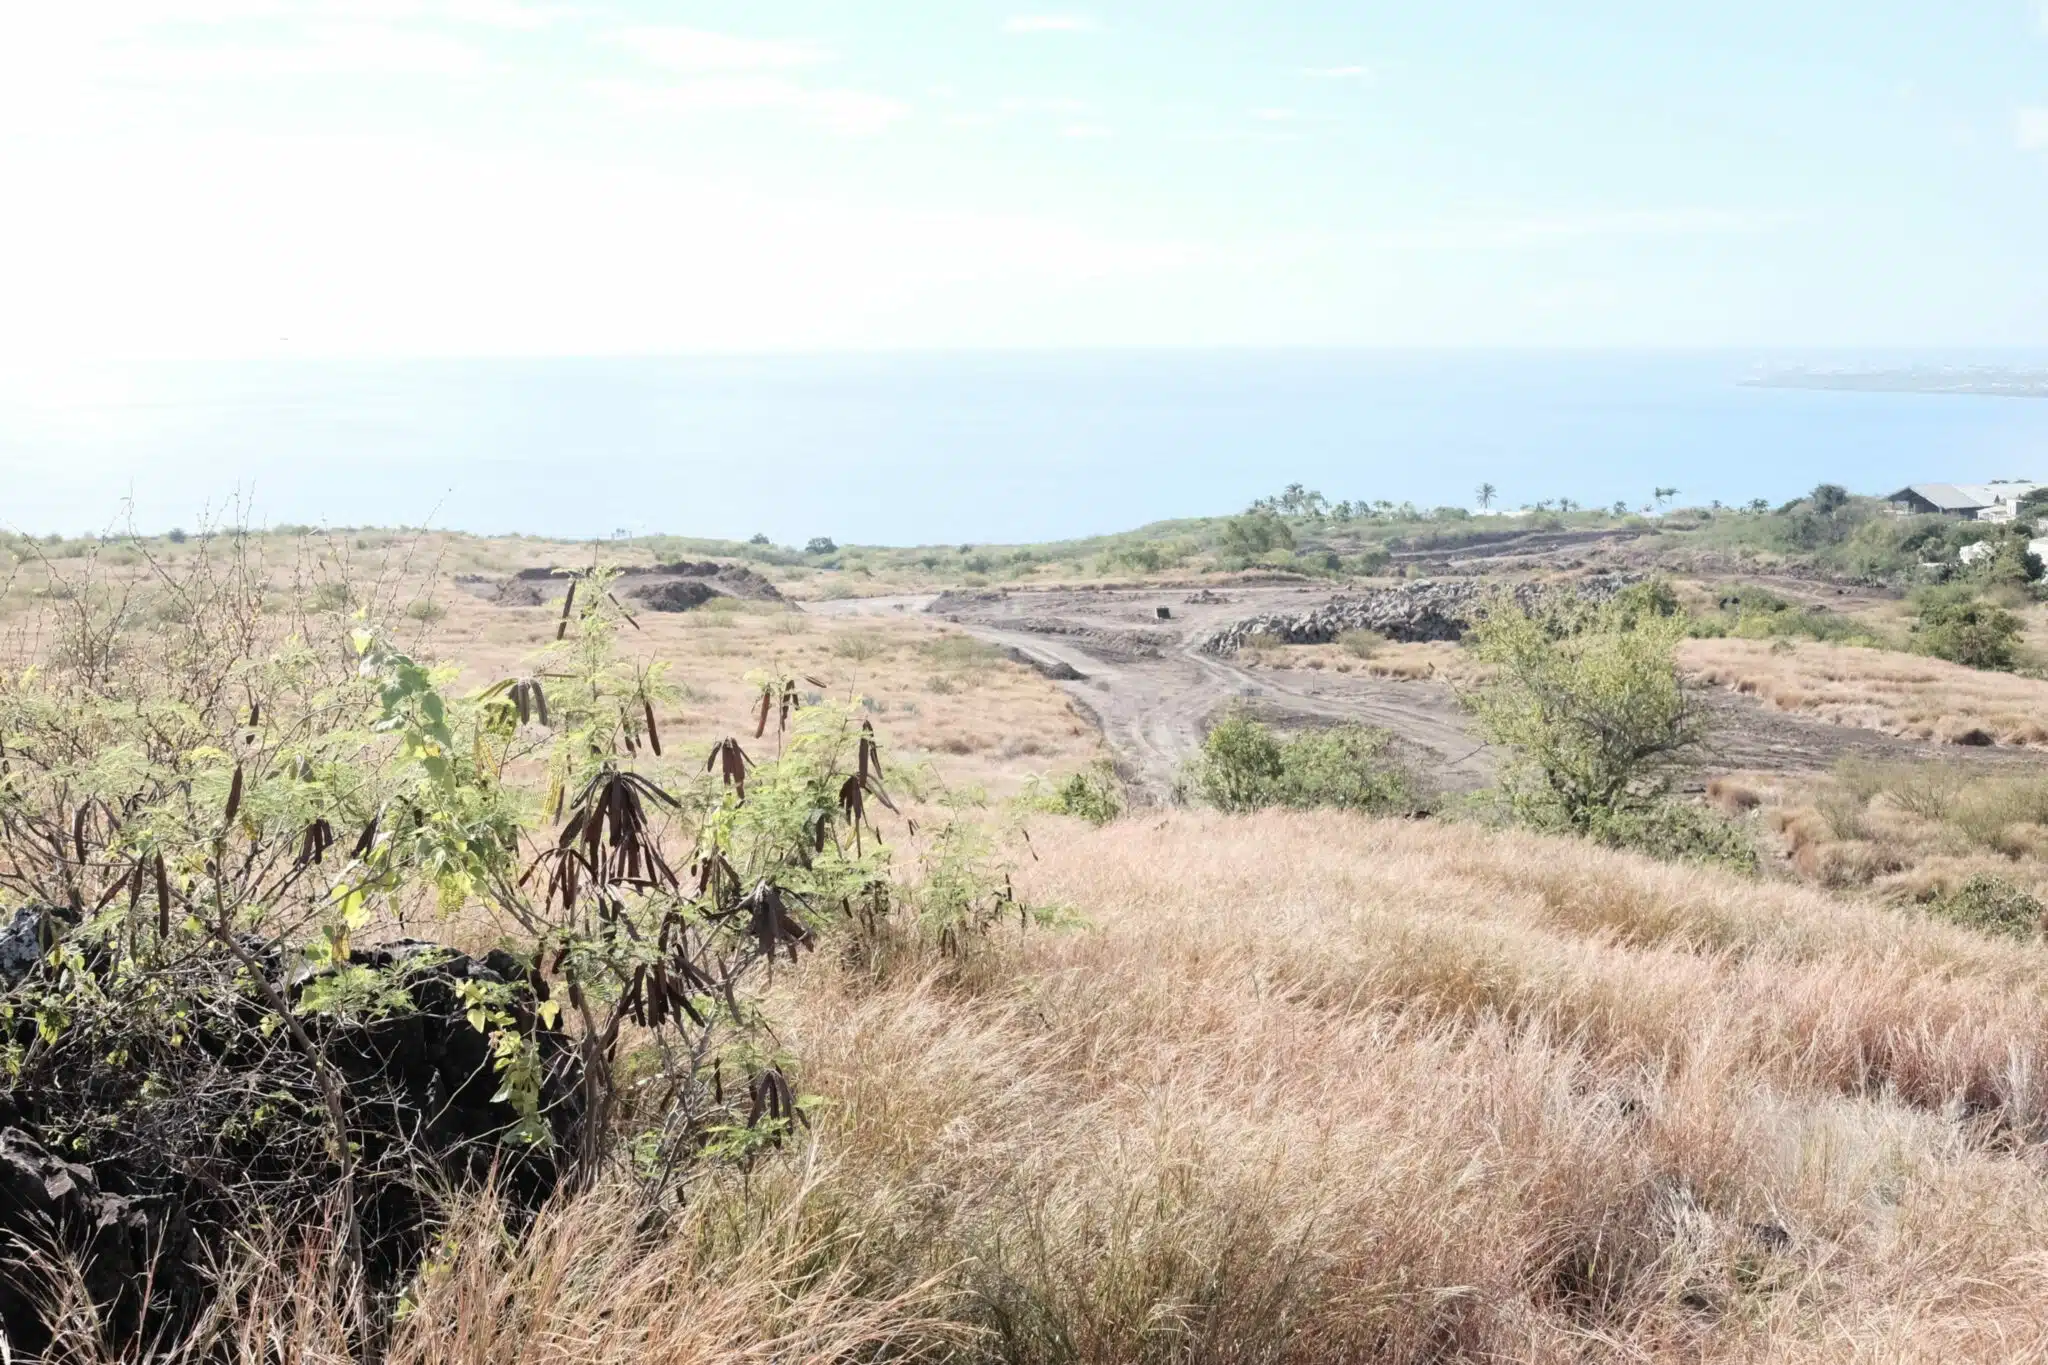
[1152, 694]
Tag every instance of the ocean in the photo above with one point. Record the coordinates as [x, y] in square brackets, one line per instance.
[961, 448]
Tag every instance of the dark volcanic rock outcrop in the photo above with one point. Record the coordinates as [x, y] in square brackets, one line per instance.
[682, 586]
[1426, 610]
[138, 1163]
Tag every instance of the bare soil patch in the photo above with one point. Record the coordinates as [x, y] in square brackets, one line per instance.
[1153, 690]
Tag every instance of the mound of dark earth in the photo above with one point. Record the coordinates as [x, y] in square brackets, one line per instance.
[1423, 610]
[140, 1173]
[682, 586]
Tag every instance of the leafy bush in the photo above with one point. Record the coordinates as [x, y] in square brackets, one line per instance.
[1092, 794]
[1589, 705]
[1964, 630]
[1255, 534]
[1243, 766]
[2012, 562]
[1361, 644]
[211, 824]
[820, 545]
[1751, 613]
[1992, 905]
[859, 645]
[1676, 831]
[1149, 556]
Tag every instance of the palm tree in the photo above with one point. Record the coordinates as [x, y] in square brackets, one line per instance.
[1487, 493]
[1665, 495]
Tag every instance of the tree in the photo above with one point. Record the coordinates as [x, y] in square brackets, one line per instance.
[1486, 494]
[820, 545]
[1590, 707]
[758, 538]
[1620, 508]
[2012, 562]
[1664, 495]
[1256, 533]
[1828, 498]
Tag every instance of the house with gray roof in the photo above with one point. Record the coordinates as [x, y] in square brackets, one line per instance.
[1994, 501]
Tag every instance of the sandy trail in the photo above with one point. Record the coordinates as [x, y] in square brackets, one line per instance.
[1152, 693]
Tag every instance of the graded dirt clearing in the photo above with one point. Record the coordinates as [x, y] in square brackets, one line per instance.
[1153, 690]
[986, 720]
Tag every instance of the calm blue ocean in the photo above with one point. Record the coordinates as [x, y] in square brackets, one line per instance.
[978, 447]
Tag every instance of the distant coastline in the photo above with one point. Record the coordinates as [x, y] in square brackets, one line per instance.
[1980, 380]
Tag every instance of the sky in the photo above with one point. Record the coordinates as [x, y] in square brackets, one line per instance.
[397, 178]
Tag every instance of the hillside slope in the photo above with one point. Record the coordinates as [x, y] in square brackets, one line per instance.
[1311, 1088]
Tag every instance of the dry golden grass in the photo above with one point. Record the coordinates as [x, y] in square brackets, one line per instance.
[1877, 689]
[1396, 661]
[1315, 1088]
[1428, 1092]
[1906, 832]
[979, 721]
[1309, 1088]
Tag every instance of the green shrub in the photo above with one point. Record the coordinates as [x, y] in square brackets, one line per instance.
[1092, 794]
[1239, 766]
[1589, 706]
[2012, 562]
[1677, 831]
[1965, 630]
[1754, 614]
[1372, 560]
[1361, 644]
[1255, 534]
[1992, 905]
[1243, 766]
[859, 646]
[426, 610]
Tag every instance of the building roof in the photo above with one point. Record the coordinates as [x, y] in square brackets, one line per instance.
[1966, 497]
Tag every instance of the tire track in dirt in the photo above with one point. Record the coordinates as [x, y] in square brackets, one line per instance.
[1153, 705]
[1153, 711]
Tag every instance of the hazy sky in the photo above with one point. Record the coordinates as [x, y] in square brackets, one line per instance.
[402, 177]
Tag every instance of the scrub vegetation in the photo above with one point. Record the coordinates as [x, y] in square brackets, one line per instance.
[831, 1001]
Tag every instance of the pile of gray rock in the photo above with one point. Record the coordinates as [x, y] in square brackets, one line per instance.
[682, 586]
[1423, 610]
